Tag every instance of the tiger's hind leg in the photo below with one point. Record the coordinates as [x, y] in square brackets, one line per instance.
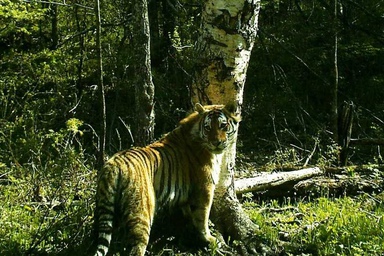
[139, 213]
[138, 238]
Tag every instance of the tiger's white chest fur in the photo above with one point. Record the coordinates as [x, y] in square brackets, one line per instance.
[216, 167]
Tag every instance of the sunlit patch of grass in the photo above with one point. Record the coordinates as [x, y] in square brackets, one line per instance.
[17, 221]
[325, 226]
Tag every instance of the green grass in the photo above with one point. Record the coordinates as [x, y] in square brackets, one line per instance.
[324, 226]
[47, 204]
[50, 226]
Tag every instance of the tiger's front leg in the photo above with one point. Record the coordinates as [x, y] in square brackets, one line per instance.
[198, 210]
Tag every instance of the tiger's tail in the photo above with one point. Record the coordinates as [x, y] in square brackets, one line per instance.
[103, 244]
[105, 207]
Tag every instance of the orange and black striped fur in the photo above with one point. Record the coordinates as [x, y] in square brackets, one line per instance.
[179, 170]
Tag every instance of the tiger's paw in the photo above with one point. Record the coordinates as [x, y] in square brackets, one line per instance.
[216, 241]
[218, 246]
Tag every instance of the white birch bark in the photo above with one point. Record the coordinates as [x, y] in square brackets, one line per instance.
[228, 32]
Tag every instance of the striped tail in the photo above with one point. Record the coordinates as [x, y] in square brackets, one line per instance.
[105, 228]
[105, 208]
[103, 244]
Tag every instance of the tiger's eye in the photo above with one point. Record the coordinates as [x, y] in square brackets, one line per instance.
[223, 126]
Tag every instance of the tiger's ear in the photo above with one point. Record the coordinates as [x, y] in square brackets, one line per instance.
[199, 108]
[232, 108]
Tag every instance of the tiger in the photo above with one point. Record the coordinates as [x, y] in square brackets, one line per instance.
[179, 170]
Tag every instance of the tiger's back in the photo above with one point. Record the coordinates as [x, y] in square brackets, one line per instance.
[176, 171]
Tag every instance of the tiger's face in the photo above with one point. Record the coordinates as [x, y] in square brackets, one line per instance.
[217, 127]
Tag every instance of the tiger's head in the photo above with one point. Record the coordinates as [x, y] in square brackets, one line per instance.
[216, 126]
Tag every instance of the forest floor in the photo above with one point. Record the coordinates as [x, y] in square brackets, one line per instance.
[56, 218]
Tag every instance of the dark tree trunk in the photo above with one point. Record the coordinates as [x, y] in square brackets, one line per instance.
[54, 29]
[144, 87]
[345, 122]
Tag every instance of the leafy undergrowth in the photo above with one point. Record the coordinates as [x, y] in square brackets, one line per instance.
[59, 220]
[47, 195]
[321, 226]
[47, 208]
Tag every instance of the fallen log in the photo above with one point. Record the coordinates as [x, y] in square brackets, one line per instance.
[366, 169]
[341, 185]
[266, 181]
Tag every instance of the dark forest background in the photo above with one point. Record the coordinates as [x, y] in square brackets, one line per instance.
[49, 73]
[50, 106]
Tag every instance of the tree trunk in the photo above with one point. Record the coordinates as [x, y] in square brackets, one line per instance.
[54, 29]
[224, 47]
[335, 88]
[101, 85]
[345, 124]
[144, 87]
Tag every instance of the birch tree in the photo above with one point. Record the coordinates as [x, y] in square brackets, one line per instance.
[228, 31]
